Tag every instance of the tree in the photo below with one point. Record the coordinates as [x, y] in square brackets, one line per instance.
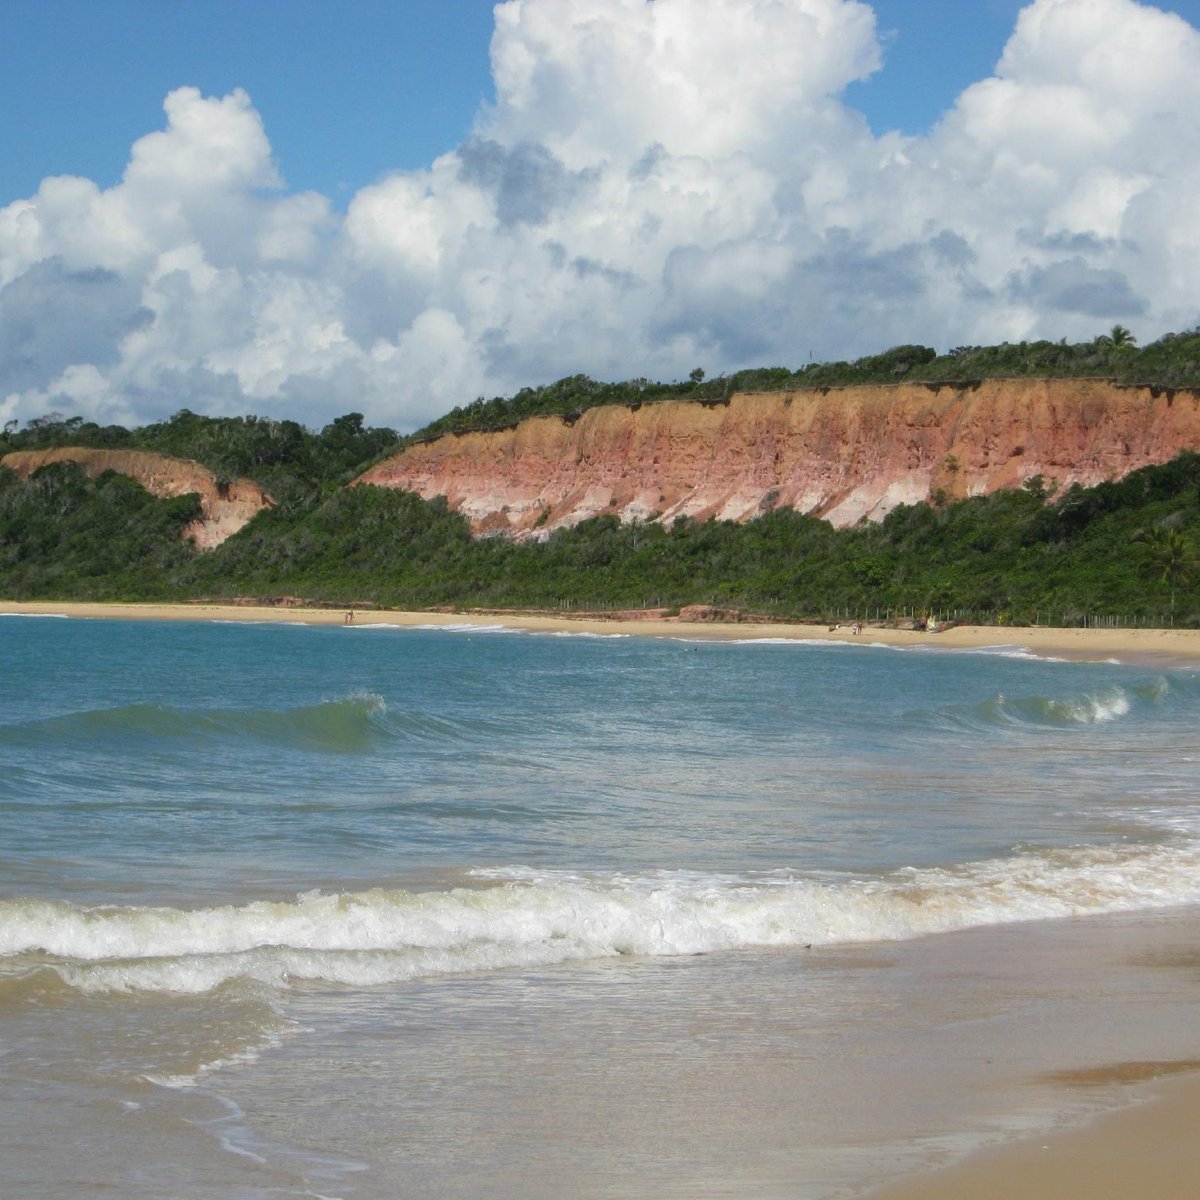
[1168, 556]
[1118, 338]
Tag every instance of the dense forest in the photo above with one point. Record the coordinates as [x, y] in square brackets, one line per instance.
[1122, 551]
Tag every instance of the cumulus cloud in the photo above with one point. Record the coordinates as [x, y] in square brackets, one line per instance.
[659, 184]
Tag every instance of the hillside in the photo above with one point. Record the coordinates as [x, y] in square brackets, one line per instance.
[224, 507]
[1026, 498]
[842, 454]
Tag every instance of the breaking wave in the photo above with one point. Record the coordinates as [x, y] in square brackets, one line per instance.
[1092, 708]
[524, 918]
[1095, 707]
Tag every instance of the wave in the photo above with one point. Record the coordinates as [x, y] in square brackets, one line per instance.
[1089, 708]
[339, 726]
[579, 633]
[1005, 650]
[523, 918]
[1098, 706]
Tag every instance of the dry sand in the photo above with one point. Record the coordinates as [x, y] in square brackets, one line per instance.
[1149, 1151]
[1141, 1141]
[1126, 645]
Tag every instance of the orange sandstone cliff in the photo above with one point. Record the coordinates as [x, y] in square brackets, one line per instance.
[224, 507]
[840, 453]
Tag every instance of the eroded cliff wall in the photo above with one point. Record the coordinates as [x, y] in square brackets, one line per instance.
[224, 508]
[839, 453]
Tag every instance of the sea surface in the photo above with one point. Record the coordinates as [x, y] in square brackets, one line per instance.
[375, 912]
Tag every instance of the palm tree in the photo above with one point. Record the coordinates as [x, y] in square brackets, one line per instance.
[1118, 338]
[1168, 556]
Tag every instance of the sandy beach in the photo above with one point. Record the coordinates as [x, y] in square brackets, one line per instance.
[1126, 645]
[1146, 1152]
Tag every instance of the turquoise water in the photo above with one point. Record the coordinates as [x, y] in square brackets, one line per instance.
[251, 875]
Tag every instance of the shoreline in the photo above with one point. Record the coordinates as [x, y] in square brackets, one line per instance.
[1128, 1095]
[1145, 1150]
[1133, 646]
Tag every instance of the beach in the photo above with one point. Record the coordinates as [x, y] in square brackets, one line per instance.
[962, 957]
[1124, 645]
[1147, 1151]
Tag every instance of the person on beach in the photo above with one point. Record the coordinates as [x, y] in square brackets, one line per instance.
[349, 617]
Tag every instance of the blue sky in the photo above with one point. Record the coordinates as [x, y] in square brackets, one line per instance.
[630, 188]
[348, 90]
[351, 90]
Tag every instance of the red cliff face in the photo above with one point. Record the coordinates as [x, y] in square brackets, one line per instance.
[224, 508]
[843, 454]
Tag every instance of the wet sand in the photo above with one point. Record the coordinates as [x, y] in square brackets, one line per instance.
[1134, 1066]
[1125, 645]
[1147, 1152]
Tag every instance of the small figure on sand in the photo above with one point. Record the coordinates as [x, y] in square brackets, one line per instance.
[349, 620]
[856, 628]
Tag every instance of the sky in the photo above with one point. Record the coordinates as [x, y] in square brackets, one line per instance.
[300, 208]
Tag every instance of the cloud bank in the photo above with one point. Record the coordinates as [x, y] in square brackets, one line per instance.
[660, 184]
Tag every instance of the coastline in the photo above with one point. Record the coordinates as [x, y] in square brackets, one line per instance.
[1145, 1150]
[1160, 646]
[1130, 1100]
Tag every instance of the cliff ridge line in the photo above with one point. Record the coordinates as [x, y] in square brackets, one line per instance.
[844, 454]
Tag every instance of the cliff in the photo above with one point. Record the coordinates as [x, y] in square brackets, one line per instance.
[839, 453]
[224, 507]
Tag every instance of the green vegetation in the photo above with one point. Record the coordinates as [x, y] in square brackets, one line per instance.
[1170, 556]
[1009, 557]
[1171, 362]
[63, 535]
[1124, 550]
[283, 457]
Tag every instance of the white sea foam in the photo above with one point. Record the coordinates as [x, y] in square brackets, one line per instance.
[748, 640]
[1023, 653]
[242, 1057]
[783, 641]
[450, 627]
[1088, 708]
[1095, 708]
[577, 633]
[466, 627]
[540, 918]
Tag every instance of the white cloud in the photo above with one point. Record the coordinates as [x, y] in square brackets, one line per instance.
[658, 185]
[606, 79]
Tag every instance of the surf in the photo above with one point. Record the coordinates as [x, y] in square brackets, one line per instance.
[521, 918]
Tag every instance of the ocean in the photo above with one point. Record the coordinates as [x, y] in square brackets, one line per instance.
[377, 912]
